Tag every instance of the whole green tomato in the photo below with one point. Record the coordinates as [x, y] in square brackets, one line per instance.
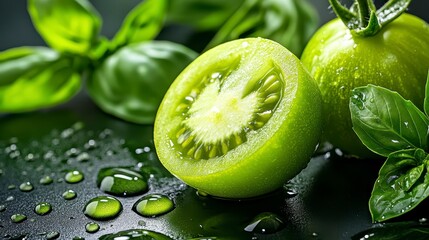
[396, 57]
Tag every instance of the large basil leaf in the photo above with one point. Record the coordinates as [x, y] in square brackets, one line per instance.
[33, 78]
[66, 25]
[288, 22]
[385, 122]
[143, 23]
[402, 184]
[131, 83]
[202, 15]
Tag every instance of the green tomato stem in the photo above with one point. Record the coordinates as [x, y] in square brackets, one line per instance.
[363, 18]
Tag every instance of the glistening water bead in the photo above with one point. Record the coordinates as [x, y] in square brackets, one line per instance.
[121, 182]
[73, 176]
[153, 205]
[102, 208]
[265, 223]
[17, 218]
[26, 187]
[135, 234]
[69, 195]
[92, 227]
[46, 180]
[43, 208]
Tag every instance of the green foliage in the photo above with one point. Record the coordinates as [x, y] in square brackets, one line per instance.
[143, 23]
[35, 77]
[131, 83]
[288, 22]
[202, 15]
[67, 25]
[391, 126]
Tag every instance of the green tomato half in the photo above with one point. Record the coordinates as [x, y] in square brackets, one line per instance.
[396, 58]
[131, 83]
[240, 120]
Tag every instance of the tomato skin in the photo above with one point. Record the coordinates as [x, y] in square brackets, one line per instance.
[396, 58]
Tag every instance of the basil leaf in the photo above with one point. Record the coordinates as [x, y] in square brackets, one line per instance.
[202, 15]
[426, 103]
[401, 185]
[385, 122]
[33, 78]
[131, 83]
[67, 25]
[396, 231]
[288, 22]
[143, 23]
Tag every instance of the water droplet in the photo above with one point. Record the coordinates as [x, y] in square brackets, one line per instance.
[141, 223]
[83, 157]
[202, 193]
[69, 195]
[17, 218]
[73, 176]
[90, 145]
[135, 234]
[92, 227]
[52, 235]
[26, 187]
[11, 187]
[153, 205]
[423, 220]
[2, 208]
[66, 133]
[30, 157]
[46, 180]
[290, 192]
[72, 152]
[49, 155]
[103, 208]
[265, 223]
[105, 133]
[10, 198]
[43, 208]
[121, 182]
